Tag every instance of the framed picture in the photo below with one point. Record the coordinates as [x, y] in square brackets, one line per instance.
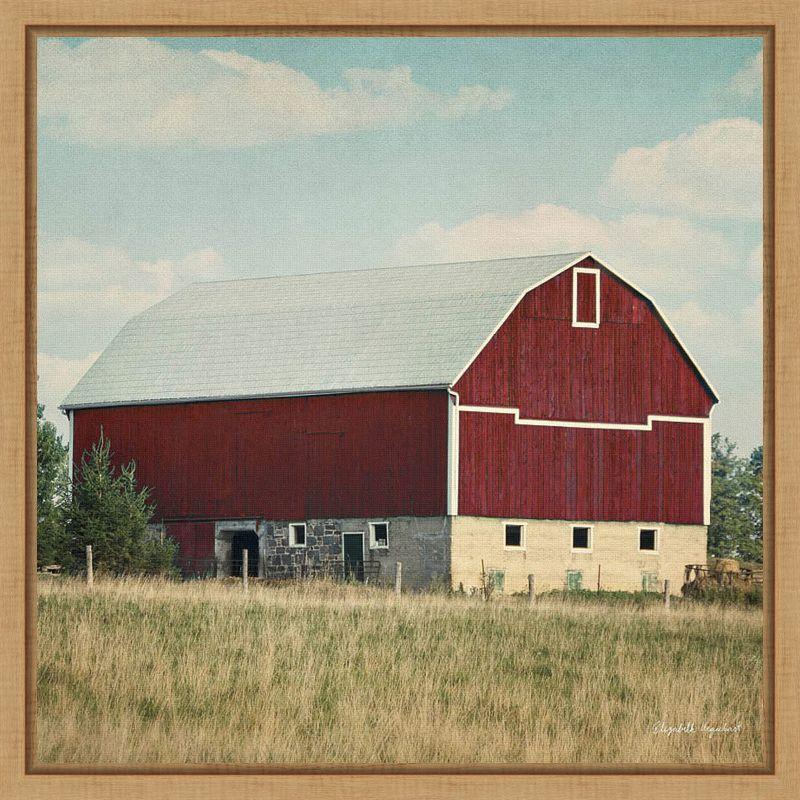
[391, 397]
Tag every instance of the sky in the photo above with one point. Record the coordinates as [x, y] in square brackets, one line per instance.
[167, 161]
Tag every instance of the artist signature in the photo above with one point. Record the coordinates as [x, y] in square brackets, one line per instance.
[704, 728]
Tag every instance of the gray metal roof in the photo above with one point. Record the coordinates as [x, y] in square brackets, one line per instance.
[307, 334]
[325, 332]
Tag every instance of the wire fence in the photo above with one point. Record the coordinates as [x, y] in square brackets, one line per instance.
[336, 569]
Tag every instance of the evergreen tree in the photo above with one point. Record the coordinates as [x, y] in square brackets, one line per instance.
[51, 493]
[109, 512]
[736, 529]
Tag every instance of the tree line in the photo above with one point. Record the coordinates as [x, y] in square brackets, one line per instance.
[737, 502]
[104, 507]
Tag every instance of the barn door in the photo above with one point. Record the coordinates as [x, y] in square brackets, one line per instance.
[241, 541]
[353, 552]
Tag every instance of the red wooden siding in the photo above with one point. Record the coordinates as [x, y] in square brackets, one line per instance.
[622, 371]
[196, 545]
[358, 455]
[509, 470]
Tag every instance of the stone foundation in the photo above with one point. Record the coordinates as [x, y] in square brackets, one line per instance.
[422, 544]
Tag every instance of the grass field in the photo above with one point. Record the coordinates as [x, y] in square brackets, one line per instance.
[149, 671]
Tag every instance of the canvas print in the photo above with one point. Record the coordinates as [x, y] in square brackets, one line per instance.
[399, 401]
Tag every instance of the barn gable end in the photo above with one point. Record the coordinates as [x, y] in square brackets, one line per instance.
[627, 367]
[575, 412]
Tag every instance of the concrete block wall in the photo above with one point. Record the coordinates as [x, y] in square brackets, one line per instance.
[547, 553]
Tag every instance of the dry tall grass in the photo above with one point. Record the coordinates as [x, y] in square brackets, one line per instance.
[150, 671]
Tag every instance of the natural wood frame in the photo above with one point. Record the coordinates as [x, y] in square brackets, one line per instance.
[776, 21]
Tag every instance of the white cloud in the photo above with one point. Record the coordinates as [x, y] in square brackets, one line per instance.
[86, 293]
[662, 254]
[56, 377]
[136, 91]
[713, 171]
[749, 80]
[75, 271]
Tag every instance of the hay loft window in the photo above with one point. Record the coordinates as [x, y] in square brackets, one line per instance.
[378, 535]
[581, 539]
[648, 540]
[514, 535]
[297, 534]
[585, 298]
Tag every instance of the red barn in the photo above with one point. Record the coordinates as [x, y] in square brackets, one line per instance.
[530, 415]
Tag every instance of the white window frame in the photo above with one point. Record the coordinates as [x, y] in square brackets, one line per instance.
[373, 545]
[522, 538]
[572, 539]
[292, 538]
[585, 271]
[657, 542]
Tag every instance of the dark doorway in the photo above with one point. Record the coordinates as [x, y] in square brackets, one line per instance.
[353, 546]
[246, 540]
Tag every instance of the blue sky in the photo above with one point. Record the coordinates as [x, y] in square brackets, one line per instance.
[171, 160]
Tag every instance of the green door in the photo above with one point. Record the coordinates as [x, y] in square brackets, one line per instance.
[353, 545]
[574, 577]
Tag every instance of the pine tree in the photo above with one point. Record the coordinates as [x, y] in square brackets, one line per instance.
[109, 512]
[51, 493]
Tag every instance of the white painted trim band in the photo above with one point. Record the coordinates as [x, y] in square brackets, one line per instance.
[557, 423]
[452, 453]
[71, 444]
[576, 323]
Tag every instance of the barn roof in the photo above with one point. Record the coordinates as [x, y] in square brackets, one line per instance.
[399, 327]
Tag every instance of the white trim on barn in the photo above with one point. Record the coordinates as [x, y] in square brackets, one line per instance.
[656, 540]
[707, 472]
[585, 271]
[557, 423]
[373, 541]
[523, 541]
[293, 534]
[589, 538]
[452, 452]
[71, 445]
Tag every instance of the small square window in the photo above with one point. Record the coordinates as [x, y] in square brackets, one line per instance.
[648, 539]
[378, 535]
[581, 538]
[515, 535]
[297, 534]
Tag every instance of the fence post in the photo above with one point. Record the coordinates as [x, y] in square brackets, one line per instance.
[398, 578]
[666, 593]
[244, 569]
[598, 577]
[89, 566]
[531, 590]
